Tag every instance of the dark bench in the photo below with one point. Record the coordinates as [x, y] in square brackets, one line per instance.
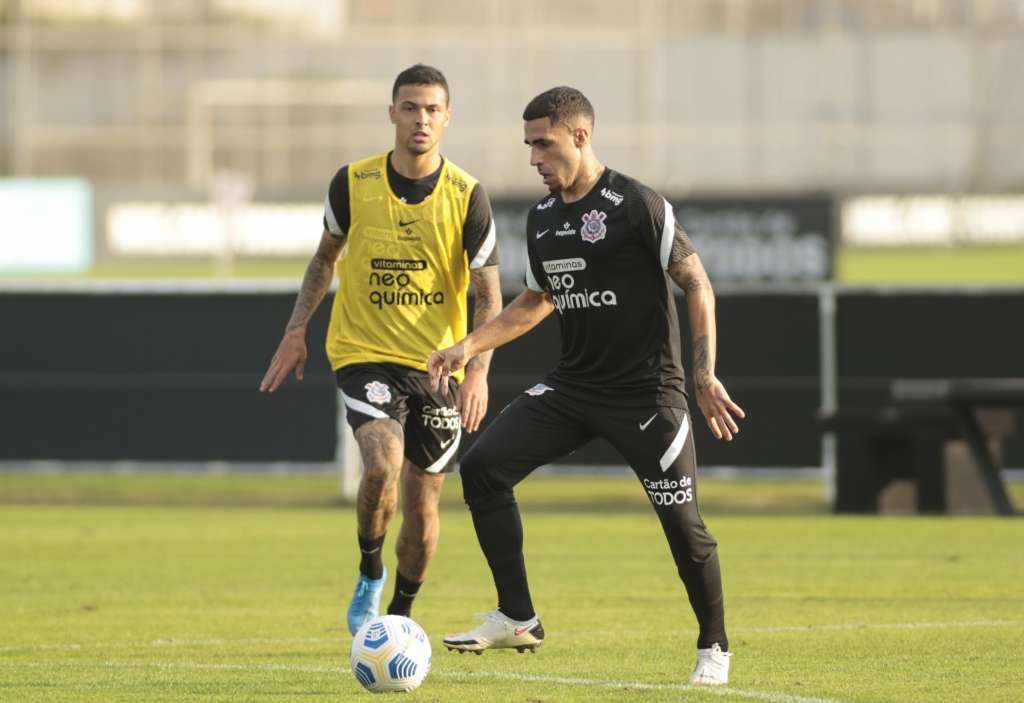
[966, 399]
[906, 440]
[875, 446]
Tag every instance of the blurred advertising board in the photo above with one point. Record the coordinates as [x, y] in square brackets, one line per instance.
[932, 220]
[761, 239]
[196, 229]
[47, 225]
[739, 239]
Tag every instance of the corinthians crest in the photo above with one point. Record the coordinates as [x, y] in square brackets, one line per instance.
[377, 392]
[593, 229]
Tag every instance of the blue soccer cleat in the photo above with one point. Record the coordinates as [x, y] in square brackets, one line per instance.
[365, 603]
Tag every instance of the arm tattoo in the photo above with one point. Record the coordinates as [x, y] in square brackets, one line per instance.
[696, 283]
[701, 372]
[487, 296]
[689, 273]
[315, 284]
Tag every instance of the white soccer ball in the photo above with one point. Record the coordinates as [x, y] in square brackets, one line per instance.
[390, 653]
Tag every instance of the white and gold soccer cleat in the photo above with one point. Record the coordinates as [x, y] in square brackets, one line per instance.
[712, 667]
[498, 631]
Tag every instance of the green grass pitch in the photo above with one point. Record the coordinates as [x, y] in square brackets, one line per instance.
[233, 588]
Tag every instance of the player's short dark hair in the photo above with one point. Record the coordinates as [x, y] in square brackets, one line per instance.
[562, 105]
[420, 74]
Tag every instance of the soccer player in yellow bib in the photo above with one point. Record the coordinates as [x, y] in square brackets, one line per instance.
[408, 231]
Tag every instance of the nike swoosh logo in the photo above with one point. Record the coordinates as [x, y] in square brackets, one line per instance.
[541, 234]
[446, 443]
[643, 425]
[520, 630]
[406, 224]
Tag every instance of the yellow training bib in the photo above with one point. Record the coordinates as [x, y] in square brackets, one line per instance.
[403, 275]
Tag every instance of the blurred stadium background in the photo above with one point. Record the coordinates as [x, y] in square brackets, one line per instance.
[852, 173]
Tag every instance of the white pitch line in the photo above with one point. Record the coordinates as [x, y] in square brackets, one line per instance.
[601, 683]
[179, 665]
[219, 642]
[456, 676]
[881, 626]
[167, 642]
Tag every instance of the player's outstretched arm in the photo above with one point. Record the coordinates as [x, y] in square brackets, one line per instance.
[688, 272]
[522, 315]
[473, 393]
[291, 352]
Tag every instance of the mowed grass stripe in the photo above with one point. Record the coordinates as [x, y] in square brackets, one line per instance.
[727, 691]
[269, 585]
[825, 627]
[882, 626]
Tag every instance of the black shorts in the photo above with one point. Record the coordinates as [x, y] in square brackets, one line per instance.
[542, 424]
[431, 422]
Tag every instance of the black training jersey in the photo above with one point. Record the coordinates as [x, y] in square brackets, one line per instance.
[603, 260]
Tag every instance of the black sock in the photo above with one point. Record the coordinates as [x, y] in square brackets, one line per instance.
[703, 583]
[370, 564]
[500, 532]
[405, 593]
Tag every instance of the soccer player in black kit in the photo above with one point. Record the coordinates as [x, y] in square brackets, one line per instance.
[602, 249]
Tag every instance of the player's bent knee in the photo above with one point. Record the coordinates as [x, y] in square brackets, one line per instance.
[702, 551]
[474, 485]
[377, 477]
[474, 469]
[700, 545]
[692, 552]
[488, 502]
[482, 486]
[688, 536]
[486, 471]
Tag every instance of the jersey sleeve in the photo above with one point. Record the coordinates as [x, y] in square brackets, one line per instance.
[655, 221]
[533, 266]
[479, 237]
[337, 211]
